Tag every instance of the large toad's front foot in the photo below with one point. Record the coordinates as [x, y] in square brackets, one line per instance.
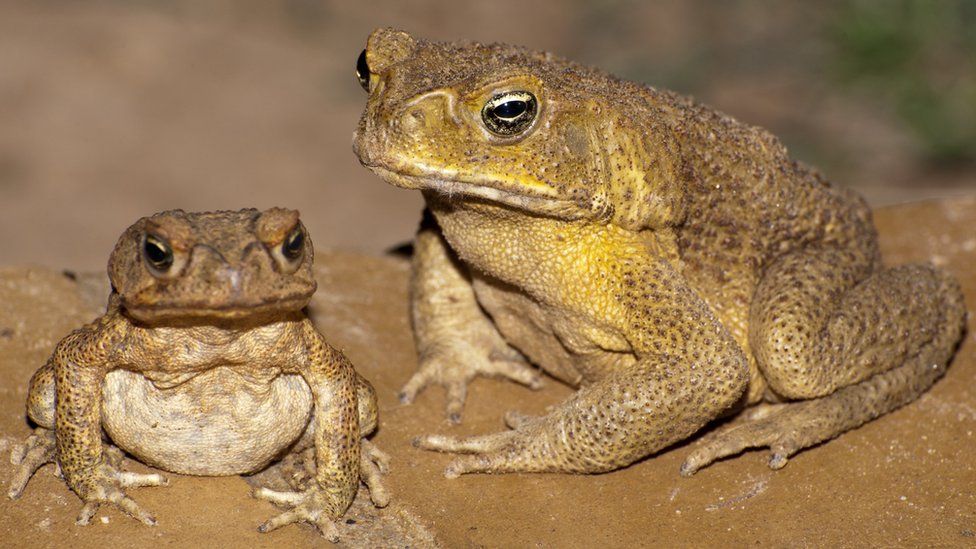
[456, 363]
[456, 340]
[523, 448]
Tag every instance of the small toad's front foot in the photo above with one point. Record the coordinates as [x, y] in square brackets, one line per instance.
[456, 364]
[311, 505]
[373, 464]
[523, 449]
[298, 469]
[107, 485]
[36, 452]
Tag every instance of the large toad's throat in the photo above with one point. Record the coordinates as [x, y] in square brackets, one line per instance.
[539, 200]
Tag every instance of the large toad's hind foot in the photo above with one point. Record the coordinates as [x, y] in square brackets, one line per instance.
[798, 425]
[789, 428]
[36, 452]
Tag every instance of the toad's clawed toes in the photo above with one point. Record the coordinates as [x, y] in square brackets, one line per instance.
[464, 445]
[506, 452]
[107, 486]
[480, 463]
[373, 464]
[307, 506]
[123, 502]
[515, 420]
[454, 366]
[776, 431]
[34, 453]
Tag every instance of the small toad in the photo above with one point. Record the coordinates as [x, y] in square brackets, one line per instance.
[205, 363]
[672, 263]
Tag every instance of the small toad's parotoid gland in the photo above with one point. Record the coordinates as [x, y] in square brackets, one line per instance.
[205, 363]
[672, 263]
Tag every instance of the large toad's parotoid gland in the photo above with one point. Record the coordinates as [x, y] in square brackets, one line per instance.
[672, 263]
[206, 364]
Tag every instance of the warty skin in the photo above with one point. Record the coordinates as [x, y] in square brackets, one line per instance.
[205, 363]
[672, 263]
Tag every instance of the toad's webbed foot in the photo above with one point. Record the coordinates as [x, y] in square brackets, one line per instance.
[310, 506]
[107, 485]
[456, 364]
[36, 452]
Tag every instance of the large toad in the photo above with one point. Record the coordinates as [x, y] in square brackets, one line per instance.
[205, 364]
[672, 263]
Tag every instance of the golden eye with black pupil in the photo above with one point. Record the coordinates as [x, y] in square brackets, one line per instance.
[294, 245]
[158, 253]
[510, 113]
[362, 71]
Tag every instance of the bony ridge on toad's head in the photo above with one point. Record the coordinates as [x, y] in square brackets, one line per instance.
[513, 127]
[176, 264]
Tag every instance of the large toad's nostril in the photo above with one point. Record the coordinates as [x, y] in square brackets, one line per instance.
[430, 110]
[413, 119]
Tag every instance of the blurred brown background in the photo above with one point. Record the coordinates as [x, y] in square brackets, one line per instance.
[110, 110]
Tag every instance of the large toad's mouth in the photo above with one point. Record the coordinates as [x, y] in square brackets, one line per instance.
[539, 199]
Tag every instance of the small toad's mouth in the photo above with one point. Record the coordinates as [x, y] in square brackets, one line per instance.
[538, 198]
[148, 310]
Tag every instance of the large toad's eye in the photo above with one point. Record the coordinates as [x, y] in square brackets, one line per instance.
[362, 71]
[157, 253]
[509, 113]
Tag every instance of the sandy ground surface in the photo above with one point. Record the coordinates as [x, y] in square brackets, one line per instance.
[907, 479]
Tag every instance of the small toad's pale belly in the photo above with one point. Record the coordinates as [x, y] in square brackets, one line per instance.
[216, 423]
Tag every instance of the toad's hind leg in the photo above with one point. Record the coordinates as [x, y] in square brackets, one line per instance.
[39, 448]
[847, 347]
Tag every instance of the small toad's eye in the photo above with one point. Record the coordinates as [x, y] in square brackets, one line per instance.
[288, 255]
[158, 253]
[509, 113]
[362, 71]
[294, 244]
